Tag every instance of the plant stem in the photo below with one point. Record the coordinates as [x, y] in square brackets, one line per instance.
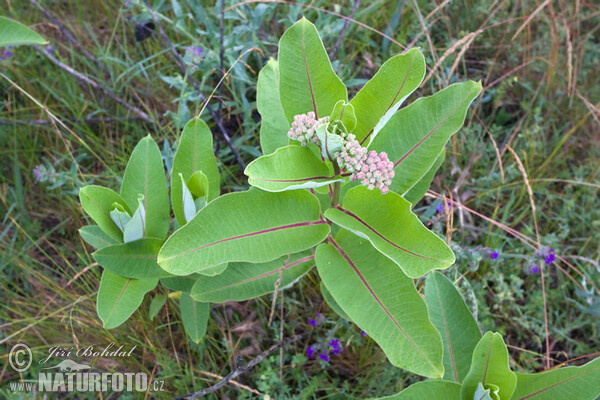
[336, 186]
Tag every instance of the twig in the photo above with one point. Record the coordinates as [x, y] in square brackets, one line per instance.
[96, 86]
[240, 368]
[343, 31]
[68, 35]
[179, 60]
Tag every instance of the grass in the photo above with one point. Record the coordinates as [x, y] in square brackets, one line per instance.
[536, 61]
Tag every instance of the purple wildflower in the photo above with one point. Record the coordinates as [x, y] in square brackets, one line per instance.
[363, 333]
[533, 269]
[310, 352]
[550, 257]
[319, 319]
[193, 57]
[335, 344]
[312, 322]
[440, 207]
[494, 255]
[39, 173]
[50, 48]
[324, 357]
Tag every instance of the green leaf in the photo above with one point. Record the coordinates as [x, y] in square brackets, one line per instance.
[579, 383]
[344, 112]
[180, 283]
[331, 143]
[415, 135]
[416, 193]
[187, 201]
[194, 153]
[145, 175]
[13, 33]
[382, 301]
[452, 318]
[397, 78]
[195, 316]
[97, 201]
[252, 226]
[289, 168]
[216, 270]
[244, 281]
[332, 303]
[95, 237]
[136, 227]
[156, 304]
[389, 224]
[120, 217]
[428, 390]
[489, 366]
[307, 81]
[119, 297]
[274, 124]
[135, 259]
[489, 393]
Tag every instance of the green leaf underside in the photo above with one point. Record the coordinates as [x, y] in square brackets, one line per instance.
[252, 226]
[274, 124]
[397, 78]
[244, 281]
[145, 175]
[289, 168]
[415, 135]
[119, 297]
[135, 259]
[382, 301]
[416, 193]
[489, 365]
[332, 304]
[14, 33]
[97, 201]
[307, 81]
[156, 304]
[344, 112]
[581, 383]
[388, 223]
[95, 237]
[428, 390]
[194, 153]
[451, 317]
[195, 316]
[180, 283]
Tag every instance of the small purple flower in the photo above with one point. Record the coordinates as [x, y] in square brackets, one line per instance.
[8, 53]
[310, 352]
[440, 207]
[50, 48]
[547, 254]
[324, 357]
[319, 319]
[363, 333]
[193, 57]
[312, 322]
[533, 269]
[39, 173]
[494, 255]
[550, 257]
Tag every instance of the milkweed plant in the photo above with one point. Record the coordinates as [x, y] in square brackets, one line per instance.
[334, 189]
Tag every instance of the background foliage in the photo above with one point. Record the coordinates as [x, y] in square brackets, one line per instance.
[538, 114]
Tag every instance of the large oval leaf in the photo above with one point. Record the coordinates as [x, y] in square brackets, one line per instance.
[194, 153]
[581, 383]
[397, 78]
[414, 137]
[307, 81]
[289, 168]
[416, 193]
[13, 33]
[195, 316]
[452, 318]
[489, 367]
[253, 226]
[244, 281]
[428, 390]
[145, 175]
[135, 259]
[389, 224]
[119, 297]
[95, 237]
[274, 124]
[98, 202]
[382, 301]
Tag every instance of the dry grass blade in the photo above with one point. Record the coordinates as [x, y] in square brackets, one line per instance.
[531, 16]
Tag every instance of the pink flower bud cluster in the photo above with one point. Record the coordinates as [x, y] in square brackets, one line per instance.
[304, 128]
[372, 169]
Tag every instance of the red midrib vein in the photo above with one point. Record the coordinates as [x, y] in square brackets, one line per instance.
[394, 100]
[362, 278]
[265, 274]
[553, 386]
[487, 363]
[277, 228]
[312, 95]
[430, 132]
[295, 180]
[383, 237]
[120, 296]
